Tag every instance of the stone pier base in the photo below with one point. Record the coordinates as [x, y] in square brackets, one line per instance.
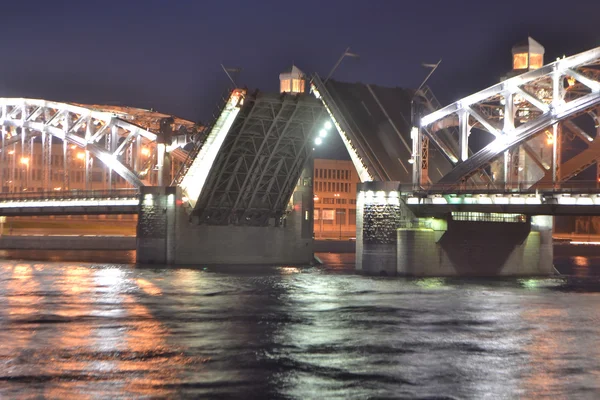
[167, 235]
[391, 241]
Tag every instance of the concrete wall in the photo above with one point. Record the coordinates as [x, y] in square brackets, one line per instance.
[67, 243]
[391, 241]
[476, 249]
[166, 235]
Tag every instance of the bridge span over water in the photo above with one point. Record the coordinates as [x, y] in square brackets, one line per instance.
[239, 190]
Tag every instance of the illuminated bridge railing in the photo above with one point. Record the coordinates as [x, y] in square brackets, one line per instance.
[70, 202]
[568, 198]
[575, 187]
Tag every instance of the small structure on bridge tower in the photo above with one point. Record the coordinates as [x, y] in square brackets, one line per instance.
[527, 55]
[292, 81]
[524, 165]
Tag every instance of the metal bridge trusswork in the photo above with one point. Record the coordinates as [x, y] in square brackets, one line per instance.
[128, 142]
[526, 116]
[252, 159]
[374, 123]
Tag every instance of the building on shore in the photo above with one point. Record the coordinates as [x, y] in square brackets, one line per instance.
[334, 199]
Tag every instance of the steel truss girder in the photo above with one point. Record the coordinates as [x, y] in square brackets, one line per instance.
[77, 125]
[541, 97]
[260, 161]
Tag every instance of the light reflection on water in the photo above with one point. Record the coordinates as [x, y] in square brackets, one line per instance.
[88, 330]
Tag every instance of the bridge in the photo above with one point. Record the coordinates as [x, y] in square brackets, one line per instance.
[239, 190]
[508, 189]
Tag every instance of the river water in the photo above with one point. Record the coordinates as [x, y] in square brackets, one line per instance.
[98, 330]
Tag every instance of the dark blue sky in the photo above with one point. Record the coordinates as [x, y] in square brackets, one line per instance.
[166, 54]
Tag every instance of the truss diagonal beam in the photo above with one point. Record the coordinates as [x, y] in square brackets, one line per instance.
[543, 88]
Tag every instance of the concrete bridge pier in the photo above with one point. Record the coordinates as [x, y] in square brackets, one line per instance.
[392, 241]
[167, 235]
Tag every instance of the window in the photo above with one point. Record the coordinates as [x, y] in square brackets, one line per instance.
[329, 186]
[352, 216]
[284, 86]
[298, 85]
[520, 61]
[328, 201]
[535, 61]
[352, 201]
[316, 214]
[340, 216]
[328, 216]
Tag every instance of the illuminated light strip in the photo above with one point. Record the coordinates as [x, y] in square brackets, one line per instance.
[193, 181]
[590, 243]
[69, 203]
[361, 169]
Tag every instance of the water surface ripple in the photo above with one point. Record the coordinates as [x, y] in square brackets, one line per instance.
[84, 330]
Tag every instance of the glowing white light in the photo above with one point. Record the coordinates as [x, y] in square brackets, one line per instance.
[411, 160]
[318, 141]
[414, 132]
[439, 200]
[412, 200]
[148, 199]
[322, 133]
[170, 198]
[517, 200]
[194, 179]
[328, 125]
[69, 203]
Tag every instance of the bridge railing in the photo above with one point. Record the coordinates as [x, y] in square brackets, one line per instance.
[191, 155]
[415, 224]
[70, 195]
[575, 187]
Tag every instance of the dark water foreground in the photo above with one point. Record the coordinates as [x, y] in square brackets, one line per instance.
[92, 330]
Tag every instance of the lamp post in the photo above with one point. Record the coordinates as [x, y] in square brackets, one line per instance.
[415, 132]
[338, 213]
[346, 53]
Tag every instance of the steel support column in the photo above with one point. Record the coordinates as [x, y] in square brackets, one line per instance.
[555, 154]
[463, 119]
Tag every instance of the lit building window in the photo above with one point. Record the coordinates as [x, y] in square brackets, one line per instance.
[284, 86]
[298, 85]
[535, 61]
[520, 61]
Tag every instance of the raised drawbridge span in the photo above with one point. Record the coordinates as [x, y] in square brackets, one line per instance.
[246, 169]
[526, 116]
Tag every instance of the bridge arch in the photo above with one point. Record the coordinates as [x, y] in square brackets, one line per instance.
[520, 108]
[113, 135]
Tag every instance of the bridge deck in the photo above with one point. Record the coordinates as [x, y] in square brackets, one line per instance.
[88, 202]
[574, 198]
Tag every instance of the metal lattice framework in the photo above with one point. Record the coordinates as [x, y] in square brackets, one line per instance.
[517, 110]
[260, 160]
[104, 135]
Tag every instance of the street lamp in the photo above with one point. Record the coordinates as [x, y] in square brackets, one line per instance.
[338, 212]
[346, 53]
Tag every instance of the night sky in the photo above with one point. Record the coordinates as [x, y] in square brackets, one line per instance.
[166, 55]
